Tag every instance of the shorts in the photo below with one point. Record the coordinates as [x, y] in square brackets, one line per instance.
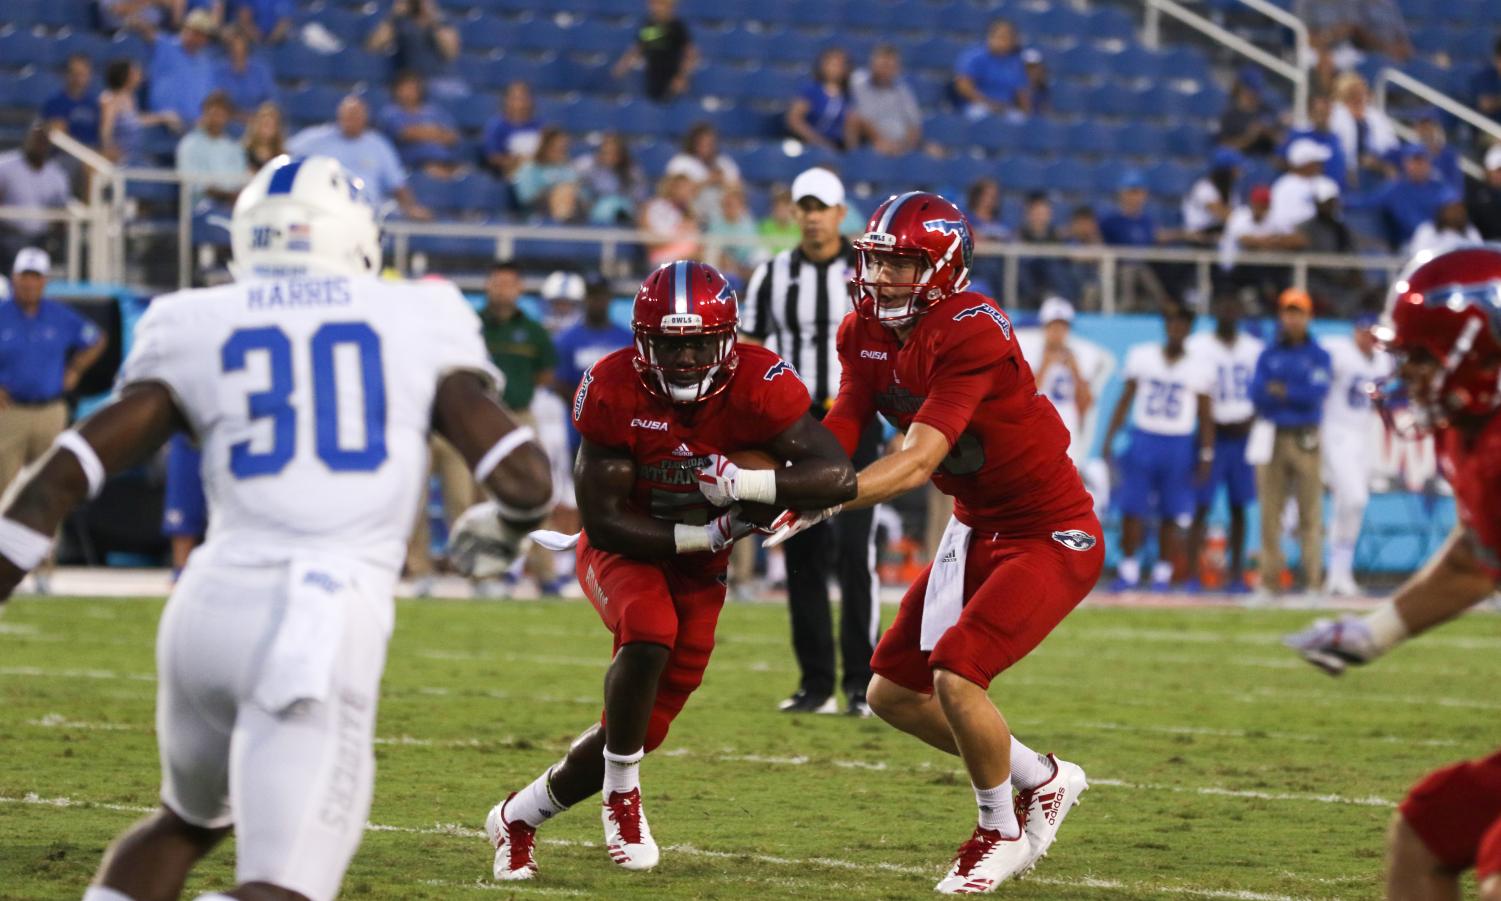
[1016, 592]
[1157, 476]
[184, 512]
[675, 605]
[295, 784]
[1231, 470]
[1456, 811]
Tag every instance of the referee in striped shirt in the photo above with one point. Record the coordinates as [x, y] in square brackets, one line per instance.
[795, 302]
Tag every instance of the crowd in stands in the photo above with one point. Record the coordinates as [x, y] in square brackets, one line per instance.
[1336, 180]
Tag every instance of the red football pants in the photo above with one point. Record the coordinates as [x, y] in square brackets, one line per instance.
[1016, 591]
[660, 603]
[1456, 811]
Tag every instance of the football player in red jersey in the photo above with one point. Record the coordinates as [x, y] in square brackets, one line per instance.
[1023, 547]
[1443, 327]
[653, 552]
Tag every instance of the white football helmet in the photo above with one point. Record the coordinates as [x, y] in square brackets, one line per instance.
[304, 215]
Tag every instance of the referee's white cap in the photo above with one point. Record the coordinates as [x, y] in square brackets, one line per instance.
[818, 183]
[1055, 309]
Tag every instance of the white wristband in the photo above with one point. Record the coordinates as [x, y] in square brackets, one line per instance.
[756, 485]
[502, 449]
[88, 459]
[1387, 628]
[23, 546]
[691, 539]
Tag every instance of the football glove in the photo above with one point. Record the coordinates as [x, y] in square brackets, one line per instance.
[483, 546]
[1332, 645]
[792, 522]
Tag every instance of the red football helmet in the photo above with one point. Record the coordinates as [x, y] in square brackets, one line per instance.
[926, 228]
[684, 319]
[1443, 326]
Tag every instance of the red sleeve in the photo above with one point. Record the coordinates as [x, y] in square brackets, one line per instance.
[972, 357]
[592, 407]
[856, 402]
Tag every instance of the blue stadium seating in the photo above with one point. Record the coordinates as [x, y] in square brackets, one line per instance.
[20, 47]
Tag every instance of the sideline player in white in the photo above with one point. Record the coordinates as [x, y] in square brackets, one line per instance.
[1230, 355]
[311, 387]
[1351, 430]
[1167, 391]
[1069, 370]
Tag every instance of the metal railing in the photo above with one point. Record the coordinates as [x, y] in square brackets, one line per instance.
[1296, 72]
[74, 217]
[1391, 77]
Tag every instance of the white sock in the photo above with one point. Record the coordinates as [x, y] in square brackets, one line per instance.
[1029, 769]
[622, 772]
[100, 893]
[1130, 570]
[535, 804]
[996, 811]
[1342, 562]
[213, 896]
[1162, 571]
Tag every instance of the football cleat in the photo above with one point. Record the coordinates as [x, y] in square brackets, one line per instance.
[1332, 645]
[803, 702]
[627, 836]
[1042, 809]
[1342, 587]
[986, 861]
[514, 842]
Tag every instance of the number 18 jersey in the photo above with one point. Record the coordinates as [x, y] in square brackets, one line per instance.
[311, 399]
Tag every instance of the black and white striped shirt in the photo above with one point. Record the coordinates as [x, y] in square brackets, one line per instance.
[794, 306]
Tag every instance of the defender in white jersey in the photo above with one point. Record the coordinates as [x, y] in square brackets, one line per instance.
[311, 387]
[1167, 393]
[1351, 432]
[1230, 355]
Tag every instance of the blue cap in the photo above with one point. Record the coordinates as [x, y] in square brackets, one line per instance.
[1226, 158]
[1412, 151]
[1426, 114]
[1251, 77]
[1447, 196]
[1132, 178]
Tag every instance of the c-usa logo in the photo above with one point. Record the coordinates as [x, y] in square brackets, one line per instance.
[1075, 539]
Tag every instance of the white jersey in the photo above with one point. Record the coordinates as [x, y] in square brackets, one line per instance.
[1348, 407]
[1167, 401]
[1232, 367]
[1057, 382]
[311, 399]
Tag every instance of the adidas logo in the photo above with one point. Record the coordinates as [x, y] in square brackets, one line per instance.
[682, 451]
[951, 557]
[1051, 804]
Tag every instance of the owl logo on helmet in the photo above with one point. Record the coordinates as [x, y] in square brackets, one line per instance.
[916, 250]
[1443, 326]
[304, 215]
[684, 320]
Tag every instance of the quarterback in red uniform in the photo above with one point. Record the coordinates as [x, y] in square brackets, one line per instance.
[1023, 548]
[1443, 326]
[656, 421]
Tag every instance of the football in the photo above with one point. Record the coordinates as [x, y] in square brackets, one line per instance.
[753, 458]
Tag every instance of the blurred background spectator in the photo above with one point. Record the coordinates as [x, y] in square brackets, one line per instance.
[182, 67]
[30, 177]
[208, 153]
[1131, 224]
[1485, 84]
[982, 203]
[669, 219]
[1334, 291]
[1317, 130]
[883, 109]
[122, 125]
[664, 48]
[1084, 231]
[551, 166]
[562, 204]
[1211, 198]
[1483, 199]
[243, 75]
[265, 136]
[262, 21]
[424, 133]
[1365, 133]
[778, 228]
[1293, 192]
[1449, 228]
[1255, 227]
[991, 78]
[1372, 25]
[1445, 159]
[364, 152]
[75, 108]
[143, 17]
[1039, 82]
[420, 40]
[1249, 124]
[612, 182]
[511, 138]
[817, 114]
[1040, 277]
[1410, 200]
[711, 170]
[733, 219]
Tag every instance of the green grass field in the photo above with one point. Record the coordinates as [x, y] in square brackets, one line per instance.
[1221, 766]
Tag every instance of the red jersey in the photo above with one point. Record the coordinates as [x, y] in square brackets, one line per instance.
[961, 373]
[1472, 465]
[670, 442]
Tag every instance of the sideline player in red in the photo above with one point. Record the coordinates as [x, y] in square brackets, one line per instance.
[1023, 547]
[653, 553]
[1443, 326]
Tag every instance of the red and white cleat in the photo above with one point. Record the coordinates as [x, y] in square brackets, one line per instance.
[1043, 808]
[984, 862]
[515, 844]
[627, 836]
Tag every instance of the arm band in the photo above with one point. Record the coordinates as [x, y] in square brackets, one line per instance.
[1387, 628]
[88, 460]
[509, 514]
[690, 539]
[756, 485]
[22, 545]
[502, 449]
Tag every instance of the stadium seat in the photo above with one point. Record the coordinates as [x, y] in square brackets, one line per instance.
[1141, 142]
[489, 33]
[76, 14]
[599, 37]
[1043, 136]
[1024, 173]
[1093, 139]
[639, 117]
[21, 47]
[295, 60]
[1169, 179]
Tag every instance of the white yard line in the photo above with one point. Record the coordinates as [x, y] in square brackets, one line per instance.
[1199, 636]
[448, 829]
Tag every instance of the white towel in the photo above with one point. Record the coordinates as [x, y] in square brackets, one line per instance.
[944, 600]
[555, 541]
[1259, 443]
[299, 665]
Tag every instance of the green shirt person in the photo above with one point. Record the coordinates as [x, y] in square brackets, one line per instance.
[519, 346]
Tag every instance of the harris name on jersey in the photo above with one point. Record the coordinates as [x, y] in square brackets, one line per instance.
[298, 292]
